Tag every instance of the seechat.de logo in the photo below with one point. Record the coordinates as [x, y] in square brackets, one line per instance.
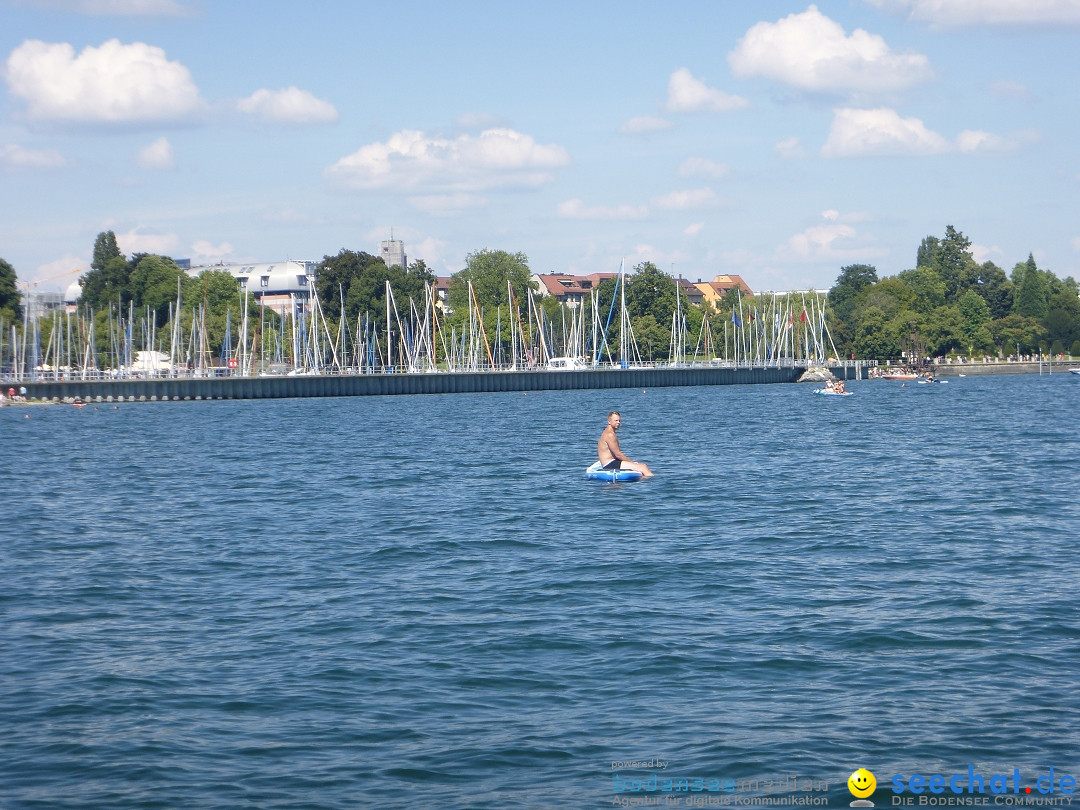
[862, 784]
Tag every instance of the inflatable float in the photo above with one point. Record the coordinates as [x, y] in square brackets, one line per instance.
[596, 472]
[825, 392]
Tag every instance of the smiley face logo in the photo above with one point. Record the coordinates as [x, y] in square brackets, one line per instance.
[861, 783]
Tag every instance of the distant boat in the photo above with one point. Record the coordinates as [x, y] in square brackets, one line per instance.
[900, 375]
[1074, 370]
[567, 364]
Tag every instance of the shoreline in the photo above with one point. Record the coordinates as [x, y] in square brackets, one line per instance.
[973, 369]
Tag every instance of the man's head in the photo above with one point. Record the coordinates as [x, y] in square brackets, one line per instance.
[614, 419]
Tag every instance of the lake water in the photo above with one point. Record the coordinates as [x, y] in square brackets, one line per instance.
[421, 602]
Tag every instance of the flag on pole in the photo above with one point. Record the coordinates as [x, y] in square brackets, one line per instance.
[735, 318]
[803, 316]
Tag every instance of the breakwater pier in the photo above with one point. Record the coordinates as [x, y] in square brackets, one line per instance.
[352, 385]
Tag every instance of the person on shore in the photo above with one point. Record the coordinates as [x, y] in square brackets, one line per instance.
[611, 455]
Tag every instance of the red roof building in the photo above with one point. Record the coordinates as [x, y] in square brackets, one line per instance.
[566, 288]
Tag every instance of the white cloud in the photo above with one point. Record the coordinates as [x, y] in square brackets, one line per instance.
[59, 273]
[203, 252]
[880, 132]
[982, 253]
[1011, 90]
[703, 167]
[157, 155]
[113, 84]
[411, 160]
[812, 52]
[835, 239]
[645, 123]
[820, 241]
[688, 94]
[289, 106]
[119, 8]
[13, 156]
[985, 12]
[448, 205]
[138, 241]
[790, 148]
[431, 251]
[682, 200]
[1076, 243]
[693, 230]
[857, 133]
[976, 141]
[576, 209]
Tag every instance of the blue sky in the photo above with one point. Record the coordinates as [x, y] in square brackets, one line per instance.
[776, 140]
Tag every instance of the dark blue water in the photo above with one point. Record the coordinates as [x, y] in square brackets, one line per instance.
[421, 602]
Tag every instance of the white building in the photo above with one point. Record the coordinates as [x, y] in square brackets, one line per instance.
[284, 287]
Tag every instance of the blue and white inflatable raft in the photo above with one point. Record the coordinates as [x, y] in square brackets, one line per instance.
[596, 472]
[824, 392]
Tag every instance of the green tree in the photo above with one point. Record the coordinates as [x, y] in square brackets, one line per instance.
[213, 296]
[1032, 299]
[105, 250]
[1063, 319]
[366, 295]
[108, 285]
[489, 271]
[651, 291]
[873, 339]
[994, 286]
[653, 340]
[976, 318]
[1014, 331]
[852, 280]
[928, 289]
[891, 295]
[1021, 269]
[927, 255]
[336, 275]
[945, 331]
[10, 299]
[154, 284]
[954, 263]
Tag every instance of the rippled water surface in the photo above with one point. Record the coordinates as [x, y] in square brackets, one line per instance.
[421, 602]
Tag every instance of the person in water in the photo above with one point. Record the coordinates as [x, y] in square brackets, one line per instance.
[611, 455]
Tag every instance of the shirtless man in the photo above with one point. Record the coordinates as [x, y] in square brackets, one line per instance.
[611, 456]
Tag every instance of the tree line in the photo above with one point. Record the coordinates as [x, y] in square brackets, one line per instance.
[949, 304]
[494, 289]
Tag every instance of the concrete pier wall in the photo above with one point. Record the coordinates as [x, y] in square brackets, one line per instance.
[390, 384]
[974, 369]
